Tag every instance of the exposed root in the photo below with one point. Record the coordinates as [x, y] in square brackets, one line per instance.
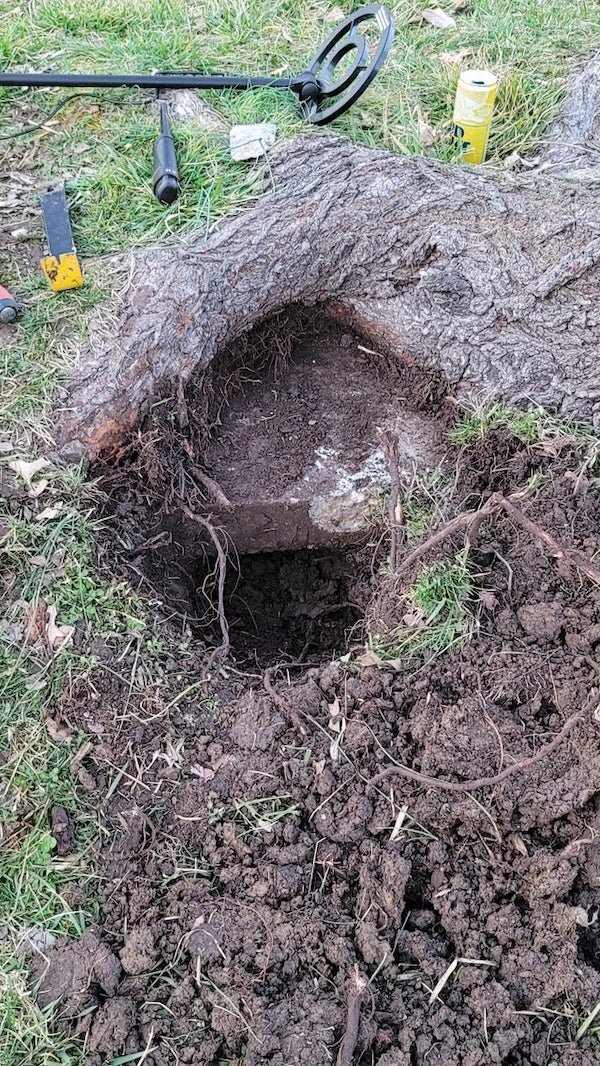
[223, 649]
[570, 556]
[286, 709]
[484, 782]
[471, 520]
[395, 513]
[462, 521]
[212, 487]
[356, 992]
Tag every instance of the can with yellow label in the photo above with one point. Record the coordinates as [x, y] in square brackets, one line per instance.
[473, 108]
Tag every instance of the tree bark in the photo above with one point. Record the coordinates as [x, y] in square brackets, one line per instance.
[490, 277]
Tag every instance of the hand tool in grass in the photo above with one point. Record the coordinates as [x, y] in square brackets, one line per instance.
[165, 179]
[61, 266]
[8, 307]
[339, 72]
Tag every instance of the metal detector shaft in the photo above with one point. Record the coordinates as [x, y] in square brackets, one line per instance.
[152, 81]
[339, 72]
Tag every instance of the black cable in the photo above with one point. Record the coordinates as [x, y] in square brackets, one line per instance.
[25, 130]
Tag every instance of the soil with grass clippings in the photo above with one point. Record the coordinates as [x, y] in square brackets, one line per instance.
[249, 872]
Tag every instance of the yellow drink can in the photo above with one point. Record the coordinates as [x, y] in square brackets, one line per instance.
[473, 108]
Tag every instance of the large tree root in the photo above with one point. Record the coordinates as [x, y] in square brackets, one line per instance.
[491, 278]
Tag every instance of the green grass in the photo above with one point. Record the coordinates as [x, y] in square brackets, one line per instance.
[41, 349]
[534, 426]
[421, 502]
[259, 815]
[51, 560]
[438, 614]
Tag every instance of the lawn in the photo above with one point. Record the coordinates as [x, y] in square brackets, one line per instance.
[101, 147]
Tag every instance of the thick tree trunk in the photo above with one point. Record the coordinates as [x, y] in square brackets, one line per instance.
[491, 277]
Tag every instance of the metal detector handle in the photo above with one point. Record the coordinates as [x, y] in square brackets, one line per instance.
[165, 179]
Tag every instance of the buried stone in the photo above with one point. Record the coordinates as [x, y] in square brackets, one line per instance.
[278, 447]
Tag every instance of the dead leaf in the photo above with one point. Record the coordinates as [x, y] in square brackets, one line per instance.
[455, 59]
[32, 939]
[337, 724]
[203, 772]
[428, 135]
[319, 767]
[28, 471]
[35, 683]
[519, 845]
[367, 121]
[397, 829]
[414, 618]
[206, 773]
[513, 161]
[11, 632]
[460, 5]
[335, 15]
[370, 658]
[58, 729]
[42, 625]
[56, 635]
[37, 489]
[36, 621]
[488, 599]
[438, 18]
[49, 512]
[79, 771]
[335, 715]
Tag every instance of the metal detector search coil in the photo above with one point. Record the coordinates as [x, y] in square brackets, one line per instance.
[323, 94]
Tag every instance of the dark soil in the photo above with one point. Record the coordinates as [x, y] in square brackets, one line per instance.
[295, 603]
[250, 871]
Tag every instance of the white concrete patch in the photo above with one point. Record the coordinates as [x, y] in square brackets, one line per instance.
[251, 142]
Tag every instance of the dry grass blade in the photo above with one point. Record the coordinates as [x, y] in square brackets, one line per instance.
[586, 1023]
[447, 974]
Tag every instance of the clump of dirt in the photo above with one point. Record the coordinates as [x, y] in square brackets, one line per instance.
[251, 871]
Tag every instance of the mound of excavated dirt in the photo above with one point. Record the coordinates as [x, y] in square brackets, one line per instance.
[249, 871]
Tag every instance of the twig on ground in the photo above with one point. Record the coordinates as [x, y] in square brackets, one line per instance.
[395, 513]
[222, 650]
[483, 782]
[286, 708]
[211, 486]
[471, 520]
[462, 521]
[356, 992]
[572, 556]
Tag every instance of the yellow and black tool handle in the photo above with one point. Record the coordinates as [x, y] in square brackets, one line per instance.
[61, 266]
